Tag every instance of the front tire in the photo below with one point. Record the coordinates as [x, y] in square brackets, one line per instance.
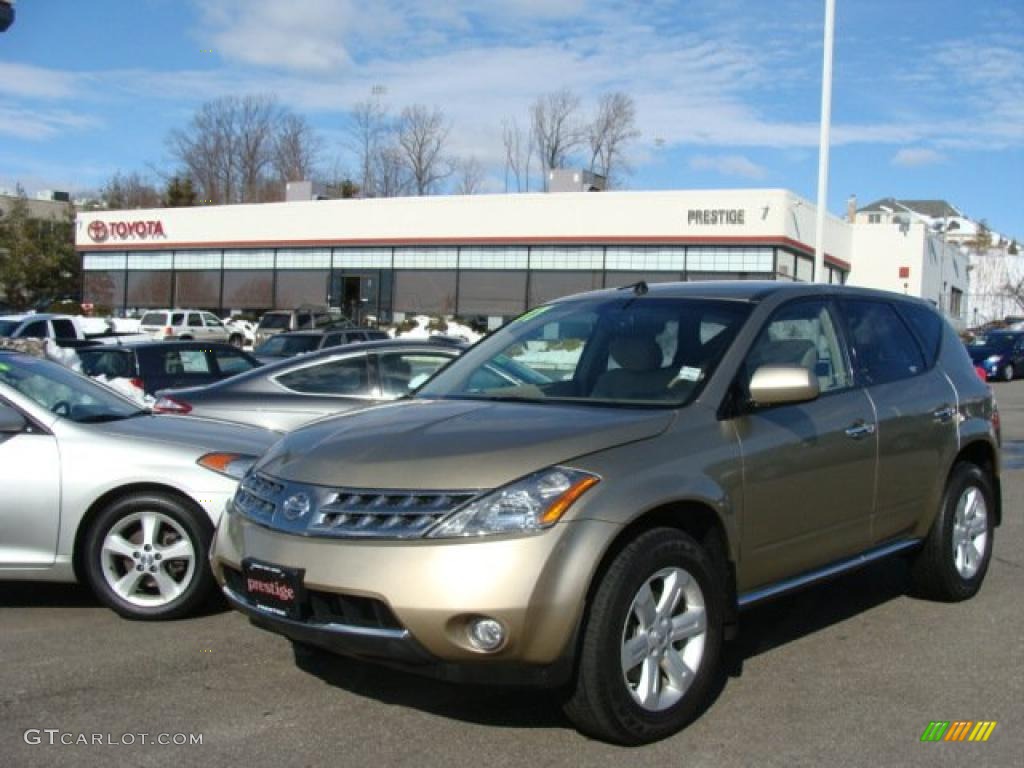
[651, 643]
[146, 557]
[236, 340]
[955, 557]
[1008, 372]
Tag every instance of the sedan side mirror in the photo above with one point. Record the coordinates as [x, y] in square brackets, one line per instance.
[778, 384]
[11, 421]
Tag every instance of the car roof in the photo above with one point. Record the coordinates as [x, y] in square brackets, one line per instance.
[137, 345]
[328, 329]
[744, 290]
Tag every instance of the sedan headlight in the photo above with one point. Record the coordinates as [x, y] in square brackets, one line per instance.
[535, 502]
[234, 465]
[993, 359]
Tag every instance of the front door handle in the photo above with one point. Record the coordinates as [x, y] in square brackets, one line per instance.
[860, 430]
[944, 414]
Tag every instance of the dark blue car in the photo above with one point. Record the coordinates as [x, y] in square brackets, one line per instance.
[999, 353]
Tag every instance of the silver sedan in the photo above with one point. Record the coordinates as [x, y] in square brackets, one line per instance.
[288, 394]
[97, 490]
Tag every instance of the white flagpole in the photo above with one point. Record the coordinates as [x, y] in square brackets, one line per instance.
[823, 143]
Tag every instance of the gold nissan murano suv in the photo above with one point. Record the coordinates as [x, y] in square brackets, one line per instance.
[588, 497]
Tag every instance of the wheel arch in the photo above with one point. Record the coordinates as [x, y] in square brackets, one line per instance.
[698, 519]
[982, 454]
[114, 494]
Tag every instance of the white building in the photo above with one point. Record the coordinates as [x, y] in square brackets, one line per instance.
[487, 256]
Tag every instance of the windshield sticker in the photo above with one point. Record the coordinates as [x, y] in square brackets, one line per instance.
[688, 373]
[532, 314]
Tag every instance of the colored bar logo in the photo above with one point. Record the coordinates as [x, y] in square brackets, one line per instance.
[958, 730]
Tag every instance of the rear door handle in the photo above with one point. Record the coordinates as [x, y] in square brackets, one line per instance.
[860, 430]
[944, 414]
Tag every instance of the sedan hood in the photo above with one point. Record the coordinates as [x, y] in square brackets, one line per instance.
[452, 444]
[203, 435]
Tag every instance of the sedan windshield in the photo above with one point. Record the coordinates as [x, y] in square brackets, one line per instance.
[609, 351]
[286, 346]
[998, 342]
[64, 392]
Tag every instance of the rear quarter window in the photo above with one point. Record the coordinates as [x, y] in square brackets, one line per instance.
[154, 318]
[927, 325]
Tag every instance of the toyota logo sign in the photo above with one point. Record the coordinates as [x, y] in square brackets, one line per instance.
[98, 231]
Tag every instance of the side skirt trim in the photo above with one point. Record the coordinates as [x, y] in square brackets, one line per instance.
[829, 571]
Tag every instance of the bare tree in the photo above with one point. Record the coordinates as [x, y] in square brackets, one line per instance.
[122, 192]
[469, 176]
[556, 129]
[296, 148]
[422, 136]
[390, 174]
[233, 147]
[368, 131]
[613, 126]
[518, 153]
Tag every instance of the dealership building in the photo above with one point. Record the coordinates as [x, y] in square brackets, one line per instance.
[480, 256]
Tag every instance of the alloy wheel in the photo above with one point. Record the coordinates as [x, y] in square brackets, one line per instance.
[970, 532]
[148, 559]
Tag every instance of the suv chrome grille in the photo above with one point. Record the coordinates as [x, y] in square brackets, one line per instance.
[390, 514]
[344, 512]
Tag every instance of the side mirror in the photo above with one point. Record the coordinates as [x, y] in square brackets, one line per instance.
[778, 384]
[11, 421]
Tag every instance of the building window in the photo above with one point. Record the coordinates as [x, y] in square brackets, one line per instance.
[956, 298]
[150, 259]
[426, 258]
[197, 260]
[248, 289]
[874, 218]
[100, 261]
[295, 288]
[249, 259]
[362, 258]
[545, 286]
[427, 292]
[197, 288]
[492, 293]
[493, 257]
[646, 258]
[149, 289]
[730, 260]
[104, 289]
[304, 258]
[566, 257]
[804, 269]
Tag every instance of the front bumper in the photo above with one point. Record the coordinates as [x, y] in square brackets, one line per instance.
[428, 591]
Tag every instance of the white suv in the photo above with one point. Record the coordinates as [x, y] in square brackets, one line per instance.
[185, 324]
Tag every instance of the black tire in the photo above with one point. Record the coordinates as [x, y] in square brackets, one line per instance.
[601, 704]
[1008, 372]
[236, 340]
[176, 517]
[934, 573]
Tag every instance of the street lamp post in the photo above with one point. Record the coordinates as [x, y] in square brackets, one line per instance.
[823, 142]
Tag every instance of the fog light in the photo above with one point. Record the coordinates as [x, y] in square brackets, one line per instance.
[486, 634]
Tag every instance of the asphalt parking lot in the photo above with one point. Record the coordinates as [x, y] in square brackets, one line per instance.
[847, 673]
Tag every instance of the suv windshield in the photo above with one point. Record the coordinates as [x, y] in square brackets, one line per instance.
[64, 392]
[618, 351]
[286, 346]
[275, 321]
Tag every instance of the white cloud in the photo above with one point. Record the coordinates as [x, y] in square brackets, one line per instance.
[914, 157]
[36, 82]
[729, 165]
[37, 125]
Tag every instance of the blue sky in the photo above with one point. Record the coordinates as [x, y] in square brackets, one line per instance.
[928, 94]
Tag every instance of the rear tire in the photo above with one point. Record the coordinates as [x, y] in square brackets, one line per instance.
[651, 643]
[145, 556]
[955, 557]
[1008, 372]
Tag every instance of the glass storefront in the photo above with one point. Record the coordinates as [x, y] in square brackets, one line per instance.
[375, 284]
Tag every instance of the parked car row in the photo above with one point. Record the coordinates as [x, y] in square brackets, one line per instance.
[586, 499]
[1000, 354]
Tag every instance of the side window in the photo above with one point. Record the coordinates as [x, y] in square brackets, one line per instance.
[883, 348]
[194, 320]
[302, 321]
[178, 318]
[336, 377]
[333, 340]
[804, 334]
[230, 362]
[64, 329]
[211, 321]
[928, 325]
[401, 372]
[36, 330]
[180, 361]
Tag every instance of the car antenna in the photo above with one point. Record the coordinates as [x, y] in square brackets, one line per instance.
[639, 288]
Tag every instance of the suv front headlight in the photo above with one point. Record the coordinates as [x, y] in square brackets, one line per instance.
[532, 503]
